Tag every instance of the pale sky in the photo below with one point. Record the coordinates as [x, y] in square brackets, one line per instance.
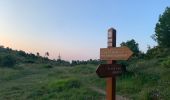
[76, 29]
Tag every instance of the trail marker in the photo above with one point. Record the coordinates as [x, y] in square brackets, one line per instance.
[119, 53]
[111, 69]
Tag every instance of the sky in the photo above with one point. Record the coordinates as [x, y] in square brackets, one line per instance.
[76, 29]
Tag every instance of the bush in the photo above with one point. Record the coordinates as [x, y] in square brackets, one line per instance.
[8, 61]
[166, 63]
[157, 52]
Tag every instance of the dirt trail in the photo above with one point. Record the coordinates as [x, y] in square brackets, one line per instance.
[118, 97]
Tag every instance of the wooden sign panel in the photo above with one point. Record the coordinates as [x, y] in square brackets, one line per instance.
[109, 70]
[115, 53]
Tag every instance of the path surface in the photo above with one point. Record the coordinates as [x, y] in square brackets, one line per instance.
[118, 97]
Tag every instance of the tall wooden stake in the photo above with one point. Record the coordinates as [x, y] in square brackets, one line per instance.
[111, 82]
[111, 54]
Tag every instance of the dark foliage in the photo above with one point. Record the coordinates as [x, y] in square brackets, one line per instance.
[22, 53]
[133, 45]
[8, 61]
[157, 52]
[77, 62]
[162, 29]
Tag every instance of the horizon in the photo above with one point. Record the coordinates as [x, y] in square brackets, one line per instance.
[76, 29]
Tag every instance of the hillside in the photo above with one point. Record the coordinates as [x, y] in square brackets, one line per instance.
[145, 79]
[26, 76]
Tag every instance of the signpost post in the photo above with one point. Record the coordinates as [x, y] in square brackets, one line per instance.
[111, 69]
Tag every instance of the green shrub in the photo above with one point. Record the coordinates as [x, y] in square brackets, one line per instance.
[8, 61]
[166, 63]
[157, 52]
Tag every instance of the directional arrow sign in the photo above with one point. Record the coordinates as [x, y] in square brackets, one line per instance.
[115, 53]
[109, 70]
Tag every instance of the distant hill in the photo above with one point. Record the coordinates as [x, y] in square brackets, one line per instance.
[9, 57]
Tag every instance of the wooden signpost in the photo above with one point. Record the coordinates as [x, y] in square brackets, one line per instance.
[108, 70]
[111, 69]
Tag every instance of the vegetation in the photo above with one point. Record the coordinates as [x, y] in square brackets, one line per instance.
[7, 61]
[132, 45]
[144, 80]
[162, 29]
[9, 58]
[26, 76]
[34, 81]
[147, 76]
[95, 62]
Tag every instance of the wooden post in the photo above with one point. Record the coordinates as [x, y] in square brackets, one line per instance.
[110, 70]
[111, 82]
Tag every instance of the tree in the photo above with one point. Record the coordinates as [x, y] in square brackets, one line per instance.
[38, 54]
[162, 29]
[59, 57]
[22, 53]
[1, 46]
[132, 45]
[47, 54]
